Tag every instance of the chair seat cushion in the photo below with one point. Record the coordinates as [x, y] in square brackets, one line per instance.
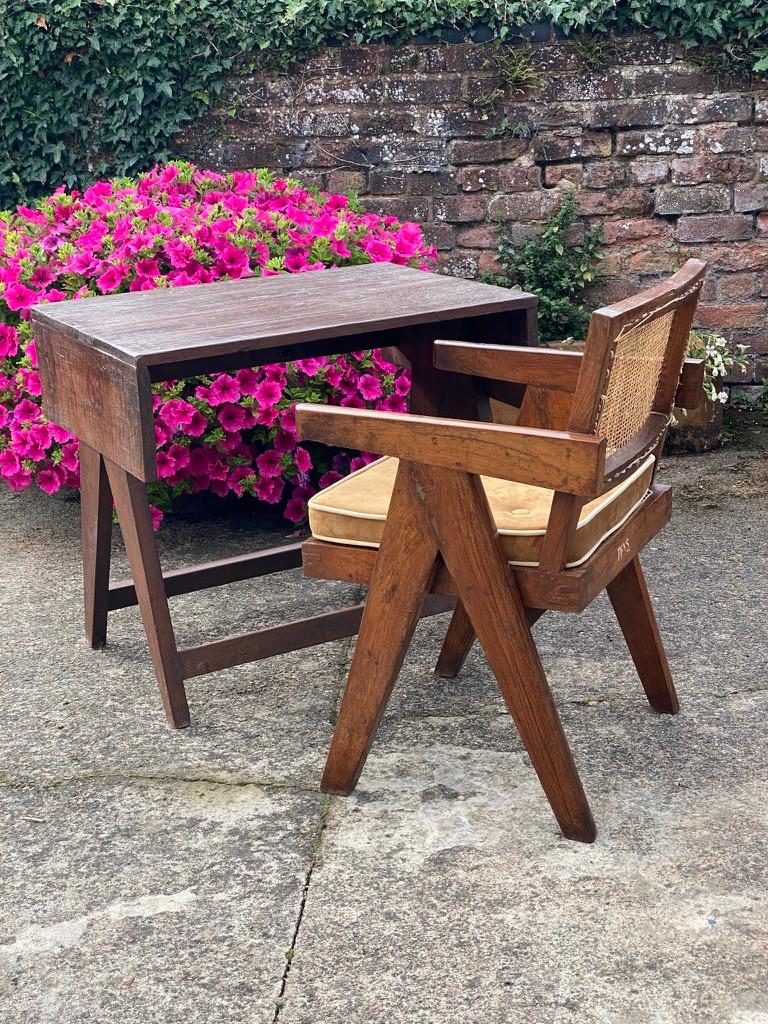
[353, 511]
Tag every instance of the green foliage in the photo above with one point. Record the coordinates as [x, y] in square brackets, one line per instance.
[558, 272]
[513, 65]
[96, 88]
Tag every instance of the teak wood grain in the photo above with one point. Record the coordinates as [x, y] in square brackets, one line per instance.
[547, 458]
[546, 368]
[439, 534]
[202, 321]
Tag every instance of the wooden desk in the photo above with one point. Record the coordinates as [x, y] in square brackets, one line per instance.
[99, 356]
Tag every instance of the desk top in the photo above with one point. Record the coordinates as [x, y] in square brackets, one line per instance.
[202, 321]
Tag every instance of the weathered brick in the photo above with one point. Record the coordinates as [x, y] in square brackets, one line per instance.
[442, 236]
[386, 183]
[676, 199]
[478, 179]
[402, 207]
[629, 201]
[258, 91]
[761, 110]
[459, 209]
[647, 49]
[607, 85]
[570, 145]
[486, 151]
[745, 139]
[555, 173]
[605, 174]
[520, 178]
[717, 227]
[432, 183]
[545, 115]
[460, 263]
[764, 286]
[469, 57]
[667, 81]
[761, 224]
[417, 88]
[694, 170]
[344, 91]
[737, 286]
[555, 57]
[748, 199]
[699, 110]
[346, 181]
[658, 260]
[395, 60]
[745, 314]
[480, 236]
[648, 172]
[340, 152]
[347, 60]
[657, 140]
[627, 113]
[524, 205]
[306, 123]
[242, 155]
[487, 263]
[635, 230]
[750, 256]
[422, 154]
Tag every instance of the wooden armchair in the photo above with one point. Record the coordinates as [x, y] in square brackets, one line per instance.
[512, 520]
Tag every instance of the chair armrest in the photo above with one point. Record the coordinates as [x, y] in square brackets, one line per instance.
[554, 369]
[559, 460]
[543, 367]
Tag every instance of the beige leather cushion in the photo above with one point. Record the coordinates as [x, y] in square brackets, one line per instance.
[353, 511]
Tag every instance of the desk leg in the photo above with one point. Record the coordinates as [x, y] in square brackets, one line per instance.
[96, 532]
[132, 506]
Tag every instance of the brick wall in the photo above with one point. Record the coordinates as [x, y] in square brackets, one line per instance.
[672, 161]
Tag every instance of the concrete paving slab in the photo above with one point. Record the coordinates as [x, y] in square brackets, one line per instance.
[72, 710]
[160, 876]
[445, 894]
[149, 902]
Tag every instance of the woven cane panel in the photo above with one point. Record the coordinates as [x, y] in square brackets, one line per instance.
[633, 379]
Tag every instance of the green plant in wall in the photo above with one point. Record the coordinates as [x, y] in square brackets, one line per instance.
[595, 53]
[555, 270]
[514, 66]
[512, 130]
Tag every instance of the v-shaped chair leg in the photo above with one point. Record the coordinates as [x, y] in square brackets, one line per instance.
[458, 509]
[632, 603]
[405, 567]
[456, 645]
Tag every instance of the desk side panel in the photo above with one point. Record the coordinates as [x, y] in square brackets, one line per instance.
[104, 402]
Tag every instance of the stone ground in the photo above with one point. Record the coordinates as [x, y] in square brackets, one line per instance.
[200, 876]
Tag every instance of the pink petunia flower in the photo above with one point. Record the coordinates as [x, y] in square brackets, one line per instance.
[232, 417]
[268, 393]
[369, 387]
[223, 389]
[302, 460]
[269, 463]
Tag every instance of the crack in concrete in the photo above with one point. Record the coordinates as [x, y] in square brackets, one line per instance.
[210, 780]
[291, 951]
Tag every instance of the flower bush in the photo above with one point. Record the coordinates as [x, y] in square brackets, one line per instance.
[176, 226]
